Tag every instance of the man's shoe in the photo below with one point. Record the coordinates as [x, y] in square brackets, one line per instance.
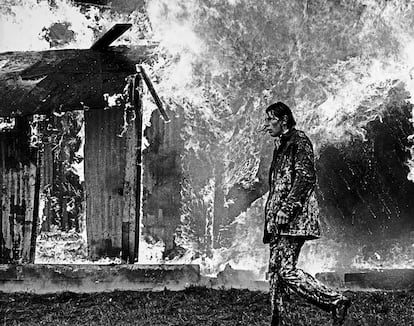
[340, 311]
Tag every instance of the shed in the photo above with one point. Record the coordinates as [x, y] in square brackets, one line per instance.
[40, 83]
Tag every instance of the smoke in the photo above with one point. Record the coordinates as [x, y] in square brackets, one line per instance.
[24, 24]
[36, 25]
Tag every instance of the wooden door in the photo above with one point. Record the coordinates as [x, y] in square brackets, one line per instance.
[112, 184]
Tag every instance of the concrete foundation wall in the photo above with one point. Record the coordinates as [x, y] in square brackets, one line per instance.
[96, 278]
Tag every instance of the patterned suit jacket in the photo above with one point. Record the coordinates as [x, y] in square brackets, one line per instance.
[292, 181]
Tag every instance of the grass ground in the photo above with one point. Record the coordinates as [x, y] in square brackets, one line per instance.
[194, 306]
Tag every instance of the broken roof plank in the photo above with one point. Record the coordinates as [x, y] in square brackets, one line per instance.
[105, 41]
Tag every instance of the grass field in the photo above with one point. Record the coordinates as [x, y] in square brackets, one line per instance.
[194, 306]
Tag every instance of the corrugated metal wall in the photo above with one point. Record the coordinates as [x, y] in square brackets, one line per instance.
[104, 181]
[19, 201]
[112, 159]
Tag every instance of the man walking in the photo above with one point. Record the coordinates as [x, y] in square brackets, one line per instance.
[291, 218]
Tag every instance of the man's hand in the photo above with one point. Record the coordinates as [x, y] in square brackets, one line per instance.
[282, 217]
[274, 228]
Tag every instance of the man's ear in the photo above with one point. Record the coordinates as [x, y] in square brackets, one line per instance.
[285, 119]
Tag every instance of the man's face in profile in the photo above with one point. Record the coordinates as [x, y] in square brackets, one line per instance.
[273, 125]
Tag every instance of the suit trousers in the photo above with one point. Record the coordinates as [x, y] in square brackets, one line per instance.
[286, 278]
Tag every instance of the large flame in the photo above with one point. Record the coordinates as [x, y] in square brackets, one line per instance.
[222, 62]
[233, 58]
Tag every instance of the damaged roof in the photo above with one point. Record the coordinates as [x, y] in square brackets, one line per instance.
[41, 82]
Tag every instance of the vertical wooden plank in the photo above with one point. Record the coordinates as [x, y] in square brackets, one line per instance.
[46, 180]
[129, 176]
[31, 210]
[134, 150]
[108, 143]
[13, 212]
[20, 208]
[19, 216]
[30, 182]
[132, 179]
[2, 171]
[26, 229]
[64, 212]
[129, 192]
[118, 153]
[138, 151]
[35, 176]
[106, 236]
[25, 200]
[7, 234]
[21, 188]
[64, 222]
[44, 218]
[10, 230]
[104, 197]
[125, 231]
[90, 173]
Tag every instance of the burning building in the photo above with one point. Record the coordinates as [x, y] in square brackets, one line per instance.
[32, 82]
[344, 67]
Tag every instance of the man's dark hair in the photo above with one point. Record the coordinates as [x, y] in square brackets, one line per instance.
[279, 110]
